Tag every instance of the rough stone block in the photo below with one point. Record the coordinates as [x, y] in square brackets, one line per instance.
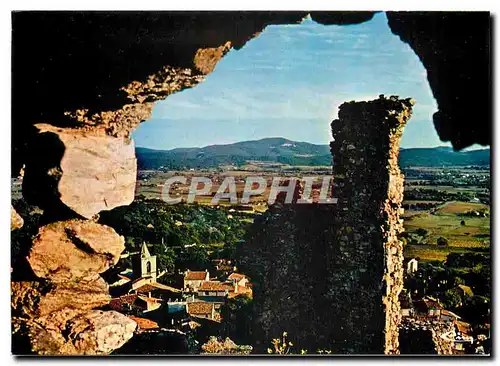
[83, 171]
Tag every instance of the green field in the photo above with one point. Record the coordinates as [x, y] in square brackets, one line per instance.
[445, 222]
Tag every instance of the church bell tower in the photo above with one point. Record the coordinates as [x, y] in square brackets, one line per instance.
[145, 264]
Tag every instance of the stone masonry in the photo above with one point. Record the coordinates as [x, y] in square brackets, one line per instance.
[330, 275]
[366, 256]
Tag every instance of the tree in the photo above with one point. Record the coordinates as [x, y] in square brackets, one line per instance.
[238, 321]
[166, 259]
[452, 298]
[422, 232]
[442, 242]
[477, 309]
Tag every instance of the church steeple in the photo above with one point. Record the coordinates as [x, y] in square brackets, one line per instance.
[145, 251]
[144, 265]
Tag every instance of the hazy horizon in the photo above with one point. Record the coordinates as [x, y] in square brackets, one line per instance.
[474, 147]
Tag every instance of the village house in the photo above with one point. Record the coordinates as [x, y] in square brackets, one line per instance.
[214, 292]
[463, 336]
[155, 289]
[406, 305]
[239, 280]
[193, 280]
[176, 305]
[448, 316]
[428, 306]
[134, 304]
[214, 288]
[242, 285]
[120, 280]
[202, 309]
[223, 267]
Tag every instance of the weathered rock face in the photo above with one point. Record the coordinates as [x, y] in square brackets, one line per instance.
[93, 333]
[74, 249]
[330, 275]
[369, 188]
[16, 221]
[57, 318]
[37, 299]
[108, 331]
[454, 48]
[55, 314]
[285, 255]
[83, 171]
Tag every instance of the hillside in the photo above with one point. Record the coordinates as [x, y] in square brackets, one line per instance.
[281, 150]
[443, 156]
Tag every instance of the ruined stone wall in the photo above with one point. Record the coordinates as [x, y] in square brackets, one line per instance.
[426, 337]
[330, 275]
[366, 269]
[285, 256]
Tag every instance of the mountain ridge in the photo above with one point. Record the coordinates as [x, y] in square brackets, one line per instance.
[285, 151]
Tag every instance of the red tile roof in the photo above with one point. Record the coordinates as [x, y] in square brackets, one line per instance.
[432, 304]
[200, 307]
[143, 323]
[449, 313]
[463, 327]
[152, 300]
[236, 276]
[214, 286]
[118, 303]
[149, 287]
[195, 275]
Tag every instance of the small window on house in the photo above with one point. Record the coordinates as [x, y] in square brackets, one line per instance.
[148, 267]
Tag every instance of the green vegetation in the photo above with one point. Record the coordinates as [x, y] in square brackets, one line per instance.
[192, 235]
[449, 231]
[433, 235]
[442, 242]
[462, 283]
[443, 156]
[278, 150]
[237, 314]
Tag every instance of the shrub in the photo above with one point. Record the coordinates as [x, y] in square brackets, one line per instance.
[442, 242]
[421, 232]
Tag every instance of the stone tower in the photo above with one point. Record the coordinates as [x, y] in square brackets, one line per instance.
[330, 275]
[145, 264]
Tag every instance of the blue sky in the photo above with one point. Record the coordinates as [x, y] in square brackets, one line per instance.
[288, 82]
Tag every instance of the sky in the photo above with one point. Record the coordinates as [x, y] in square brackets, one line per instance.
[289, 82]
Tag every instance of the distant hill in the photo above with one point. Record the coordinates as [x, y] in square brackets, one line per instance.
[443, 156]
[275, 149]
[281, 150]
